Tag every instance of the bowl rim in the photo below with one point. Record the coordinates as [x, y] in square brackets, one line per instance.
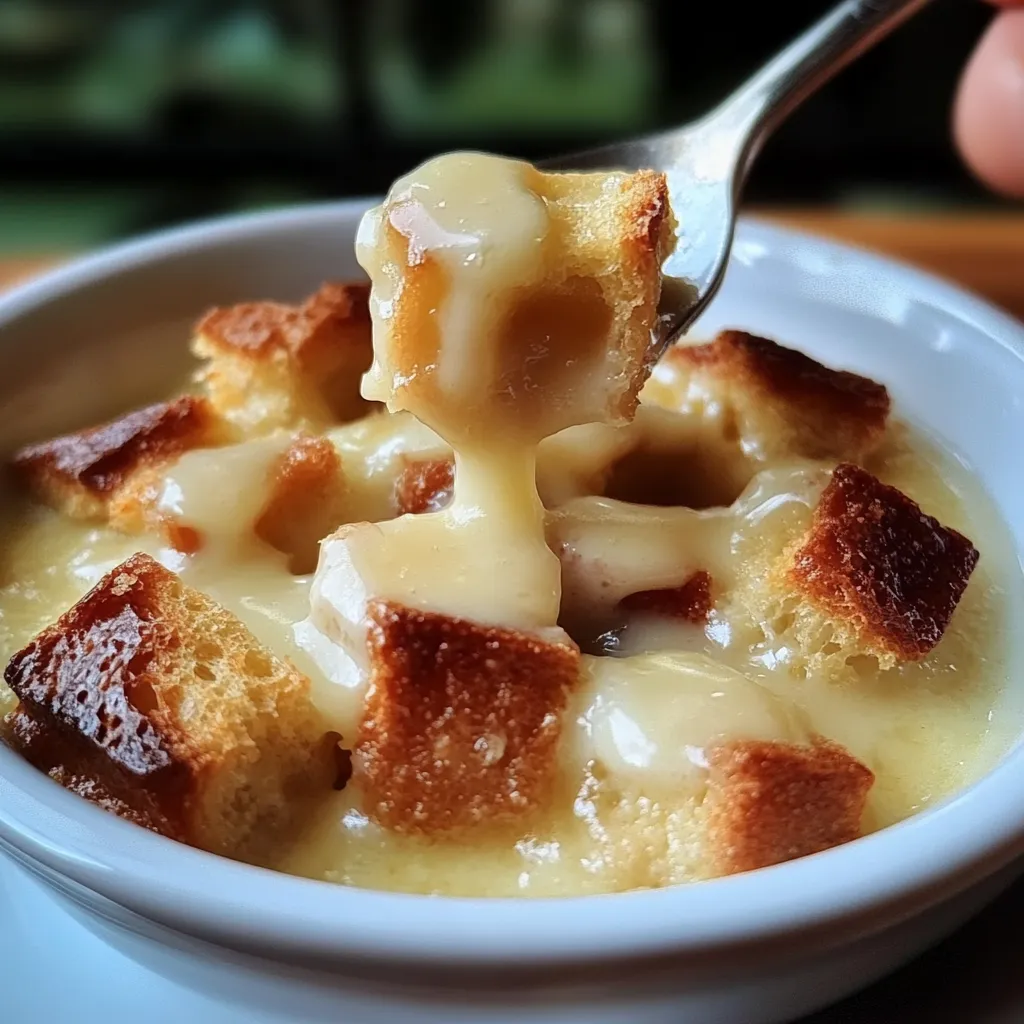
[897, 871]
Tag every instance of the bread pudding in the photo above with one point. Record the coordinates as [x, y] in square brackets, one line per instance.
[442, 585]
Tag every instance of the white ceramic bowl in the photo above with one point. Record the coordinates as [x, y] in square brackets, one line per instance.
[754, 948]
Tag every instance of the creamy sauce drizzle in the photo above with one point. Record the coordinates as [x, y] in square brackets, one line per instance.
[651, 718]
[926, 729]
[476, 215]
[485, 556]
[221, 491]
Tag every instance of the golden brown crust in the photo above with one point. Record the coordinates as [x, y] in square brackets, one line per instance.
[139, 697]
[873, 560]
[462, 720]
[425, 485]
[817, 412]
[772, 802]
[306, 502]
[647, 242]
[79, 473]
[275, 365]
[47, 749]
[261, 329]
[647, 219]
[691, 601]
[84, 683]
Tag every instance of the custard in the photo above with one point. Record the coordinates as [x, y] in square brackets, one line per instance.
[926, 729]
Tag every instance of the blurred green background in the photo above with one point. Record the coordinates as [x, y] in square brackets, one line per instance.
[118, 117]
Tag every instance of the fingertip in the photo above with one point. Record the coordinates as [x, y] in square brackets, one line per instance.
[988, 116]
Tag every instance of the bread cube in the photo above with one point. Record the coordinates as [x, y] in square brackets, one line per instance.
[270, 365]
[777, 401]
[564, 335]
[79, 474]
[151, 698]
[462, 720]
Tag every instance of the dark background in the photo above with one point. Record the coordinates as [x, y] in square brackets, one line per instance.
[118, 116]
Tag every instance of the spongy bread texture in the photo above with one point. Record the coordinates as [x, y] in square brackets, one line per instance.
[773, 802]
[885, 575]
[305, 501]
[573, 347]
[270, 365]
[162, 704]
[780, 401]
[764, 803]
[462, 720]
[618, 237]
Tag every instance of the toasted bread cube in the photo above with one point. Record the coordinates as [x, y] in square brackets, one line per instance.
[270, 365]
[47, 749]
[613, 552]
[778, 401]
[772, 802]
[875, 574]
[424, 486]
[288, 492]
[763, 804]
[306, 501]
[462, 720]
[614, 232]
[690, 602]
[692, 770]
[79, 474]
[166, 704]
[562, 334]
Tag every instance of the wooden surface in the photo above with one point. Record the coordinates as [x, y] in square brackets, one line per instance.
[983, 252]
[13, 270]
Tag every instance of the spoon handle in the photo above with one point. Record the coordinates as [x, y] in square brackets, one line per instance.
[762, 102]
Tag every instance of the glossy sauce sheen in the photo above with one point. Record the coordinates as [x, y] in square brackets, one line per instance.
[484, 557]
[925, 729]
[472, 213]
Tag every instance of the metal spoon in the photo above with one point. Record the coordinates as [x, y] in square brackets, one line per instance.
[707, 161]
